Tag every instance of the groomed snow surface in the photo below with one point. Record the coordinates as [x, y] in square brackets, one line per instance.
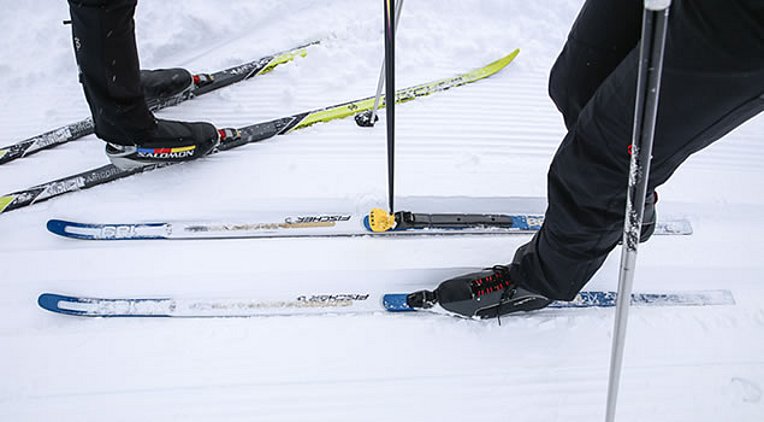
[493, 138]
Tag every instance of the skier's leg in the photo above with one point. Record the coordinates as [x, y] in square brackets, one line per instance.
[604, 32]
[104, 42]
[713, 80]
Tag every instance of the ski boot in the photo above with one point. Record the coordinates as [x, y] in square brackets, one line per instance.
[485, 294]
[169, 142]
[162, 85]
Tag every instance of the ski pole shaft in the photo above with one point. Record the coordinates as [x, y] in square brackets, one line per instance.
[390, 97]
[381, 83]
[654, 26]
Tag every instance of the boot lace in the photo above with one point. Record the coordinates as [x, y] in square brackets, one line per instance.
[497, 280]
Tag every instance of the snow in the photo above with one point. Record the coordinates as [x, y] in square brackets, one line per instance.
[495, 137]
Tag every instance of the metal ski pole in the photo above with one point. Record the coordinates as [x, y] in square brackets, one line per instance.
[390, 97]
[368, 118]
[654, 26]
[380, 220]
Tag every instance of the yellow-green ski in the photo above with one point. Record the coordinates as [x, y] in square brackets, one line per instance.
[403, 95]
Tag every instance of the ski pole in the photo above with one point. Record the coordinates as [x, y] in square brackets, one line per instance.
[654, 26]
[367, 119]
[390, 97]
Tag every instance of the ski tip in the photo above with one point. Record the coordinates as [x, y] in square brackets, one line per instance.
[57, 227]
[396, 302]
[52, 302]
[502, 62]
[68, 229]
[5, 201]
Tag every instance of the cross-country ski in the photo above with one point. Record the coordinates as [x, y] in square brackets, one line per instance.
[322, 304]
[319, 224]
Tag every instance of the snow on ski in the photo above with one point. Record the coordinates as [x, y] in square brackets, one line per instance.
[206, 84]
[249, 134]
[339, 224]
[324, 303]
[219, 307]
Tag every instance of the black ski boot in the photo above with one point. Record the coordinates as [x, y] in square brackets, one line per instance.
[165, 83]
[168, 142]
[485, 294]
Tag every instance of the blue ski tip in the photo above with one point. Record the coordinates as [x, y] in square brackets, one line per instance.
[51, 302]
[58, 227]
[86, 231]
[396, 302]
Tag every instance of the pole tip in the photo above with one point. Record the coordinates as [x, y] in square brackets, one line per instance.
[365, 119]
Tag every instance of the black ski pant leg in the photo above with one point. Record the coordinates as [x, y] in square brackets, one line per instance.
[604, 32]
[713, 81]
[104, 42]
